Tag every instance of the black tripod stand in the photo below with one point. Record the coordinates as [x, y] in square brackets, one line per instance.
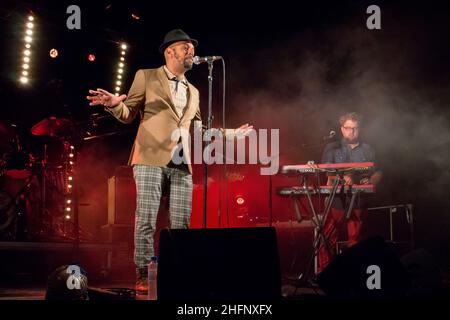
[318, 219]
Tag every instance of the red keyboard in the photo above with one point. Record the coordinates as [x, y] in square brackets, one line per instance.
[327, 167]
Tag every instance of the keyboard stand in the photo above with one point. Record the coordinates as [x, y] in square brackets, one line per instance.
[318, 220]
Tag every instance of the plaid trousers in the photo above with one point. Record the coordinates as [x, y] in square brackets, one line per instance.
[150, 183]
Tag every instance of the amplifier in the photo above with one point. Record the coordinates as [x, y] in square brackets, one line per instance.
[121, 200]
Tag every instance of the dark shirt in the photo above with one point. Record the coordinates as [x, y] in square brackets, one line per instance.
[340, 152]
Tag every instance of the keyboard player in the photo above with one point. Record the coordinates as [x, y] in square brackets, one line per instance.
[349, 149]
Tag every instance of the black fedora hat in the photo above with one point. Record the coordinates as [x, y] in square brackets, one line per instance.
[174, 36]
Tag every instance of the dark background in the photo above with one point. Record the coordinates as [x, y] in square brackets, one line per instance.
[295, 67]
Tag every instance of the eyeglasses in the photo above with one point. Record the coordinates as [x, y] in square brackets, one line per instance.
[351, 128]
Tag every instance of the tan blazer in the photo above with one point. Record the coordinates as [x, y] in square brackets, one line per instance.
[150, 96]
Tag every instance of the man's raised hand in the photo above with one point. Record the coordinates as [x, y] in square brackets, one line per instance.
[104, 98]
[243, 131]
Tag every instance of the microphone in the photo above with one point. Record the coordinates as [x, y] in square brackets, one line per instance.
[198, 60]
[329, 136]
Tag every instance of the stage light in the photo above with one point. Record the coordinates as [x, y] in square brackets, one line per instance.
[71, 155]
[121, 64]
[24, 73]
[91, 57]
[26, 59]
[30, 25]
[71, 162]
[29, 32]
[120, 70]
[119, 76]
[124, 47]
[68, 209]
[24, 80]
[25, 66]
[53, 53]
[27, 52]
[117, 89]
[70, 178]
[122, 59]
[68, 217]
[116, 94]
[28, 39]
[28, 46]
[30, 18]
[135, 16]
[58, 288]
[118, 83]
[69, 201]
[123, 53]
[240, 200]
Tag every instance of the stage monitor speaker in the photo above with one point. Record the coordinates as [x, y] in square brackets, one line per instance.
[218, 264]
[349, 275]
[425, 273]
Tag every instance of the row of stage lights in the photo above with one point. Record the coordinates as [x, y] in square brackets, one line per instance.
[69, 183]
[120, 69]
[26, 60]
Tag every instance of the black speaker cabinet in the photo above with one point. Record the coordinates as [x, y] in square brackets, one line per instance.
[347, 276]
[219, 264]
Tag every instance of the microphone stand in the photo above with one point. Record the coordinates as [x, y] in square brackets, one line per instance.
[209, 126]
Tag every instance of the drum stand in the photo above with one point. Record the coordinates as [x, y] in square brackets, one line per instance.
[46, 217]
[44, 211]
[46, 220]
[19, 201]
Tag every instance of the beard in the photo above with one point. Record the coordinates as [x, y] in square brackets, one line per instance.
[187, 64]
[351, 140]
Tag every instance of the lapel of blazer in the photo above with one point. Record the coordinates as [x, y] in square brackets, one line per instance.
[162, 77]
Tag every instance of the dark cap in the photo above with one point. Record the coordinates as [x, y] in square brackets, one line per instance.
[174, 36]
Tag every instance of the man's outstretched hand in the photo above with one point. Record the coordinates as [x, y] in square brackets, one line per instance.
[104, 98]
[243, 131]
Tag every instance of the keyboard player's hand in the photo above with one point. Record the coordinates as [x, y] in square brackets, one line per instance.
[348, 179]
[365, 181]
[313, 165]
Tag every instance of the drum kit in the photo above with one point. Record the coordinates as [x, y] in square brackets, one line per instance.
[32, 188]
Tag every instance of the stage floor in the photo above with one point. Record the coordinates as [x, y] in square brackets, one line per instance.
[33, 292]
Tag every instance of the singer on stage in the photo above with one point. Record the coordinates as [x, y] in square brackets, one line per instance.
[349, 149]
[166, 102]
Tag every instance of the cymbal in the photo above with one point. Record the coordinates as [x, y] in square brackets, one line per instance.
[51, 126]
